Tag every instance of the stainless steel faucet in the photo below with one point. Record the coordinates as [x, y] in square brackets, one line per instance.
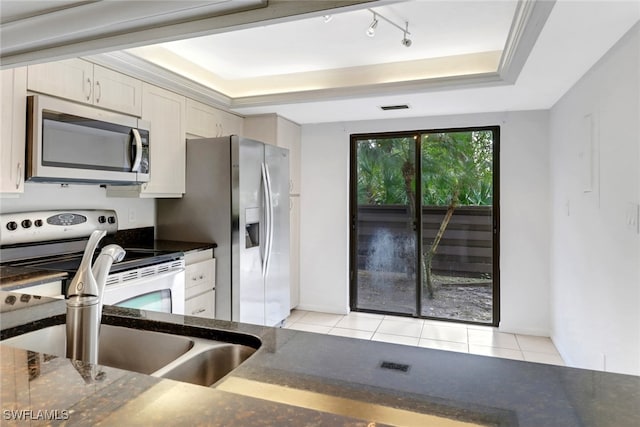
[84, 299]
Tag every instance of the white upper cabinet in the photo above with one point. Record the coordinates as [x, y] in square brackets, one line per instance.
[275, 130]
[116, 91]
[82, 81]
[165, 111]
[207, 122]
[12, 139]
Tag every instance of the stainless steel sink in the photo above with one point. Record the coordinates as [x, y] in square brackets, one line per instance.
[207, 367]
[181, 358]
[124, 348]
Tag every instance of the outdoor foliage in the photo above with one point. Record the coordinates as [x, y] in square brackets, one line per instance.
[453, 164]
[456, 169]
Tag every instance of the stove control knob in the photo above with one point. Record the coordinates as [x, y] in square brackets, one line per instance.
[12, 226]
[112, 220]
[38, 223]
[26, 223]
[102, 219]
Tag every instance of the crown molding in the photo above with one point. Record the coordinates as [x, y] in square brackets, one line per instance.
[144, 70]
[528, 22]
[529, 19]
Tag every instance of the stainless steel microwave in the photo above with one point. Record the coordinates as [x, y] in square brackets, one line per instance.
[69, 142]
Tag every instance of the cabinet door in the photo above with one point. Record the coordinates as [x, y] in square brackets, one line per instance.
[202, 120]
[262, 127]
[13, 115]
[71, 79]
[166, 112]
[289, 136]
[230, 124]
[116, 91]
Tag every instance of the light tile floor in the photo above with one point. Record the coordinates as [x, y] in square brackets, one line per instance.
[473, 339]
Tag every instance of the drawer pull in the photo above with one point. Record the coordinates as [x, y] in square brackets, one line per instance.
[200, 310]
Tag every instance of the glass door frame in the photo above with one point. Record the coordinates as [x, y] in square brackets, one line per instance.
[353, 219]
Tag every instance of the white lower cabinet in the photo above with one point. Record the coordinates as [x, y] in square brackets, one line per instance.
[201, 305]
[200, 284]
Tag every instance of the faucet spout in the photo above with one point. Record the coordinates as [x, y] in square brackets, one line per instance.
[84, 299]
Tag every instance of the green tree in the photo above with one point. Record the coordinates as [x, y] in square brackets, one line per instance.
[457, 169]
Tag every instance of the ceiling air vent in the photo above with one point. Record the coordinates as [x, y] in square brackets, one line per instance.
[394, 107]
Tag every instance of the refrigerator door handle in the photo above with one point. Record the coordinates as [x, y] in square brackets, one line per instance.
[264, 246]
[264, 231]
[269, 218]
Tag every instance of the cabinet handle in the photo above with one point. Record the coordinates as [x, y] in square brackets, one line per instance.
[98, 92]
[19, 177]
[88, 89]
[200, 310]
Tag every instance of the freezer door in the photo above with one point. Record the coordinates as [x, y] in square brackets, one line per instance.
[277, 294]
[250, 235]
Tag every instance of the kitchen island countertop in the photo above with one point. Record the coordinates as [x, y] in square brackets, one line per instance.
[299, 378]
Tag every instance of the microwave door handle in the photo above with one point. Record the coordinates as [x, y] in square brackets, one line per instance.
[138, 159]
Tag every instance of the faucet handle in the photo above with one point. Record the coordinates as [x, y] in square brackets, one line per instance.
[84, 283]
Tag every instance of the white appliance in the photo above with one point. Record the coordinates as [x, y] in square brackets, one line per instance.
[54, 241]
[68, 142]
[237, 195]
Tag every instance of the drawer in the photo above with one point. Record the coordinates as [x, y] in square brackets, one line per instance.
[201, 305]
[200, 277]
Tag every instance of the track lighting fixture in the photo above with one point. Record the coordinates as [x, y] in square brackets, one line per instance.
[406, 42]
[371, 31]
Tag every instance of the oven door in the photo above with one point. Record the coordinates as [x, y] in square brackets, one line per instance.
[161, 292]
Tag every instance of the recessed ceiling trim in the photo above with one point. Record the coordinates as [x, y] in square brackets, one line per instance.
[528, 22]
[530, 17]
[20, 44]
[367, 91]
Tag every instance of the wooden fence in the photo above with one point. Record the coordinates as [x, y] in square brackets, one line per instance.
[465, 249]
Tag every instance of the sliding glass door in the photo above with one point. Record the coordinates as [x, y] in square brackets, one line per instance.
[437, 188]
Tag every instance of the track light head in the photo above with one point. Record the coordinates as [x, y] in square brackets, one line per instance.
[371, 31]
[406, 42]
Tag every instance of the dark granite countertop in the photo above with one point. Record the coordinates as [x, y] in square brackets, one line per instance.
[13, 278]
[299, 378]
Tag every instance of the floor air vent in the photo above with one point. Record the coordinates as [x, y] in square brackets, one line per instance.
[395, 366]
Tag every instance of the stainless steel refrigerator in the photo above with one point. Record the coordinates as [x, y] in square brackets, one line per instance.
[237, 195]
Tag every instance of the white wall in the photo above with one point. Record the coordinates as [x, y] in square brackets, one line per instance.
[524, 210]
[595, 254]
[132, 212]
